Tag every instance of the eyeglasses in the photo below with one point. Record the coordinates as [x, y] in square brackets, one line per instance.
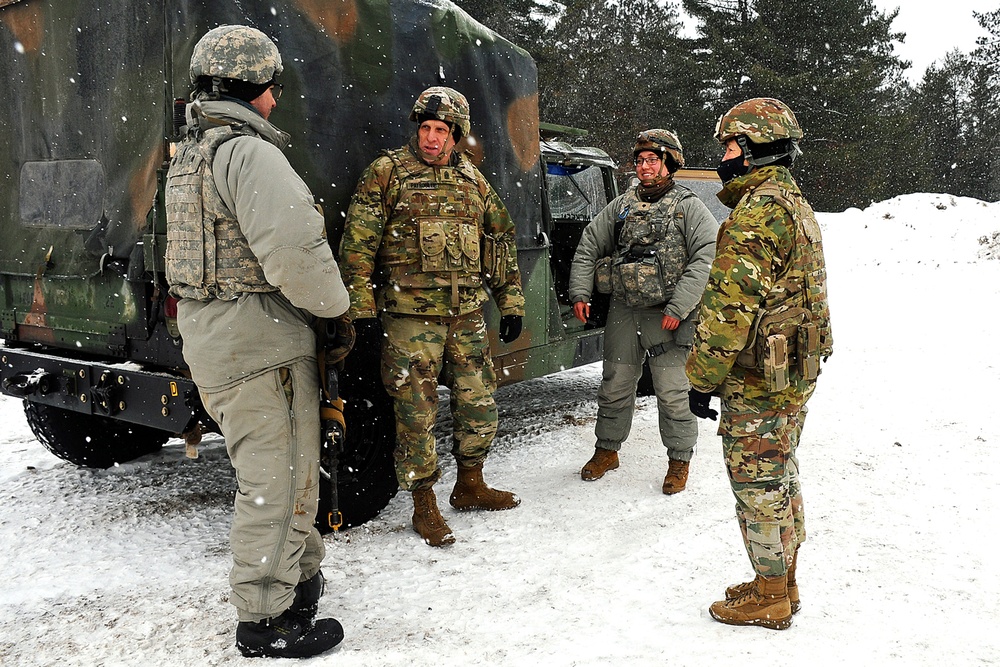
[276, 89]
[651, 161]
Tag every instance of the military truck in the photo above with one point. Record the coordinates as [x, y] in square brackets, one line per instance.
[92, 110]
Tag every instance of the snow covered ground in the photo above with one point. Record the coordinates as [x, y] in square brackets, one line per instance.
[128, 566]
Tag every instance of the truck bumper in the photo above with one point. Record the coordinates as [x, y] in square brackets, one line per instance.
[120, 391]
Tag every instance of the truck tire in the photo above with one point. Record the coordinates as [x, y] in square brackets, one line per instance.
[91, 441]
[366, 473]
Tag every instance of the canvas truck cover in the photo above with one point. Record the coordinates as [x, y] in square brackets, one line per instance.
[89, 103]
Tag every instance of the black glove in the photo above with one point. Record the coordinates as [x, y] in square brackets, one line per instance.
[698, 403]
[338, 339]
[510, 328]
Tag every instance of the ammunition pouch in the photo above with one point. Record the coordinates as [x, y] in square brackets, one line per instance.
[446, 245]
[602, 275]
[778, 340]
[638, 282]
[496, 255]
[809, 351]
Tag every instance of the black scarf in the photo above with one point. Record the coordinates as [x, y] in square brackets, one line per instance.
[656, 190]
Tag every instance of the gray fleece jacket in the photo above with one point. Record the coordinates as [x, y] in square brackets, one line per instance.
[226, 341]
[697, 224]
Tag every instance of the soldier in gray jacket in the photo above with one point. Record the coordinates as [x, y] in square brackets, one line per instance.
[651, 248]
[247, 257]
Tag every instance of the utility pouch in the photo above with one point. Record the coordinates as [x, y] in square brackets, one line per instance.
[807, 351]
[495, 257]
[776, 362]
[639, 283]
[602, 275]
[748, 356]
[766, 324]
[447, 245]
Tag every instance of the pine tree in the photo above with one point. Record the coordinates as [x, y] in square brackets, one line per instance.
[522, 22]
[955, 110]
[984, 110]
[831, 61]
[941, 103]
[615, 69]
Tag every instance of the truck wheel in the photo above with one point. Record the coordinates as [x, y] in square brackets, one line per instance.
[90, 441]
[366, 474]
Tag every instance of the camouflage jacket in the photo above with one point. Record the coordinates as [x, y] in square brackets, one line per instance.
[697, 225]
[419, 239]
[769, 258]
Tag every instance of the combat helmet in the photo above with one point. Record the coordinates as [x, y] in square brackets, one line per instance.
[236, 52]
[444, 104]
[764, 127]
[664, 143]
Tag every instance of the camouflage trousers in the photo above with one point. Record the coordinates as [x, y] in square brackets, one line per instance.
[416, 350]
[759, 449]
[271, 425]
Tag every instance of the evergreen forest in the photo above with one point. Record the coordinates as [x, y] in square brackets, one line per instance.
[617, 67]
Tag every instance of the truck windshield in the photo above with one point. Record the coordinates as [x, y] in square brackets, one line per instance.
[576, 192]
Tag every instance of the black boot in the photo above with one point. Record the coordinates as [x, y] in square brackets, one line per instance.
[287, 636]
[307, 594]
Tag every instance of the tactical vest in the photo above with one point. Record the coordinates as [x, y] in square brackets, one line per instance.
[792, 326]
[207, 255]
[433, 235]
[651, 251]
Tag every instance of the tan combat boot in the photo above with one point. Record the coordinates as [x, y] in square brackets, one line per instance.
[737, 590]
[791, 586]
[602, 461]
[427, 519]
[764, 603]
[471, 492]
[677, 477]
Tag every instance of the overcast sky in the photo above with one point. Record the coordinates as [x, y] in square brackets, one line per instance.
[932, 33]
[934, 29]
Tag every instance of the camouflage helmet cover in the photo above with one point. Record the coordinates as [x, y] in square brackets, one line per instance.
[236, 52]
[445, 104]
[762, 120]
[661, 142]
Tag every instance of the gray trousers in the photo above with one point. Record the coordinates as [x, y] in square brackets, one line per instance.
[271, 426]
[630, 332]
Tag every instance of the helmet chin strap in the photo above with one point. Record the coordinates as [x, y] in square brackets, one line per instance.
[217, 88]
[433, 157]
[793, 151]
[659, 178]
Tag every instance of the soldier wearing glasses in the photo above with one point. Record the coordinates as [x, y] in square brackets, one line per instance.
[651, 248]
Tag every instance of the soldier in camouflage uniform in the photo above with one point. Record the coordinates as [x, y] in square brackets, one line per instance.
[654, 245]
[425, 235]
[763, 328]
[248, 258]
